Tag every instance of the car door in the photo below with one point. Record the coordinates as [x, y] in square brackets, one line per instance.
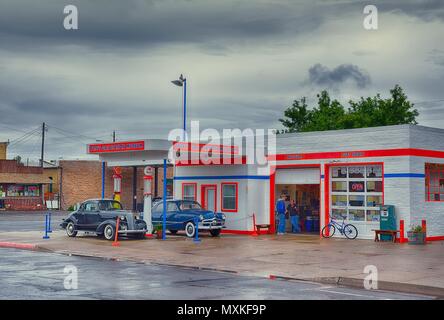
[172, 220]
[156, 212]
[80, 217]
[91, 215]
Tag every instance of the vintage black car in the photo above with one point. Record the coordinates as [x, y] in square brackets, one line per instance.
[100, 216]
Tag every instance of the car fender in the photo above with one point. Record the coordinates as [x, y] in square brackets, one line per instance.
[104, 223]
[70, 218]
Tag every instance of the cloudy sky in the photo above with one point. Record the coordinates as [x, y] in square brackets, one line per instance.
[245, 61]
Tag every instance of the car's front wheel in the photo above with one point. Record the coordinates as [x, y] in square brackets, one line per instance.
[71, 229]
[215, 232]
[190, 229]
[109, 232]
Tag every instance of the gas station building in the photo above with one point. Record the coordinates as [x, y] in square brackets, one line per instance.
[331, 174]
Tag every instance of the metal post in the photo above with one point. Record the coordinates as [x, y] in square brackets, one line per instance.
[43, 145]
[103, 180]
[184, 108]
[196, 232]
[134, 189]
[49, 223]
[46, 228]
[156, 181]
[164, 199]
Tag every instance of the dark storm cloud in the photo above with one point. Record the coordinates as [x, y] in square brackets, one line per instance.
[322, 76]
[138, 23]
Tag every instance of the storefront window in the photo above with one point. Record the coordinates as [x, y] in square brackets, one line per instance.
[356, 186]
[19, 190]
[339, 214]
[189, 191]
[229, 196]
[374, 186]
[356, 215]
[339, 186]
[434, 181]
[374, 201]
[357, 192]
[2, 191]
[340, 201]
[356, 172]
[339, 172]
[373, 215]
[374, 171]
[356, 201]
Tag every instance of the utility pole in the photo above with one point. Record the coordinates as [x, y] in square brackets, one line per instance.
[43, 144]
[114, 136]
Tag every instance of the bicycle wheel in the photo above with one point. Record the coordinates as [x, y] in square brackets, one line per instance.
[350, 231]
[328, 231]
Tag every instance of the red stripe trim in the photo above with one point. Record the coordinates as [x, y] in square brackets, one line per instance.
[435, 238]
[359, 154]
[242, 232]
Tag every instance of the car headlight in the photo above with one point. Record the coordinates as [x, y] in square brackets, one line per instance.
[122, 218]
[201, 217]
[223, 216]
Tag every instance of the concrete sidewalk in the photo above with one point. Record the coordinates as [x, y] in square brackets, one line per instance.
[401, 267]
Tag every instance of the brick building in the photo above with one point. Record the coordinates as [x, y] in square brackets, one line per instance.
[21, 187]
[78, 180]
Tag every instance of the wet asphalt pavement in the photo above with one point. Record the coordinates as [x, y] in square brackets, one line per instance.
[40, 275]
[29, 221]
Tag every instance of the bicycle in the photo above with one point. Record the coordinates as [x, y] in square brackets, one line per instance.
[348, 230]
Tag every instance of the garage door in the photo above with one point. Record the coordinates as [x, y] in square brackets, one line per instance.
[297, 176]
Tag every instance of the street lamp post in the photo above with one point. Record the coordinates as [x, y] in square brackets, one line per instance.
[182, 82]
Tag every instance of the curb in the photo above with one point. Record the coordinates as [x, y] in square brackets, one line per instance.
[382, 285]
[15, 245]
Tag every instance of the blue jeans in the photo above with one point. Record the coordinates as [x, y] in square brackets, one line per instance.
[281, 226]
[295, 227]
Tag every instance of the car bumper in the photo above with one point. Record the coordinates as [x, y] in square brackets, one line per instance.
[132, 231]
[212, 224]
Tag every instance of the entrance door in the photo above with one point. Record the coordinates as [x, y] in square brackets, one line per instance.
[208, 193]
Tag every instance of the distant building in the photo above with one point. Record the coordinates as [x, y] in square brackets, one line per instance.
[3, 148]
[21, 187]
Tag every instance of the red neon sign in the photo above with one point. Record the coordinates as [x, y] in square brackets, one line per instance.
[116, 147]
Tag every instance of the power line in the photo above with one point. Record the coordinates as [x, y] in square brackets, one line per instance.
[24, 137]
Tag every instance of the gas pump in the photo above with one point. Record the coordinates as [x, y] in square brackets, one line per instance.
[117, 177]
[147, 183]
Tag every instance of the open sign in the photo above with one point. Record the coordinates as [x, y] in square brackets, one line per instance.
[356, 186]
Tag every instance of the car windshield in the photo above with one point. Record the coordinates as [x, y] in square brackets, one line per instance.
[109, 205]
[190, 205]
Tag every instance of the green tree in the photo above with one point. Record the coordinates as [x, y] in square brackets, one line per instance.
[366, 112]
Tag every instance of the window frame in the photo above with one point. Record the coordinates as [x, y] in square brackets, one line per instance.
[365, 193]
[236, 196]
[194, 185]
[427, 181]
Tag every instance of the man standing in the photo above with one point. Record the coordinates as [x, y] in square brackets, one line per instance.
[280, 208]
[294, 217]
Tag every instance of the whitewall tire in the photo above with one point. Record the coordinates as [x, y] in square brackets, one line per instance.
[190, 229]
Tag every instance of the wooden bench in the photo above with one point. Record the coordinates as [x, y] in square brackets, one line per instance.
[393, 233]
[262, 226]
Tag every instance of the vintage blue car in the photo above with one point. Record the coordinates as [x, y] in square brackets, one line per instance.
[182, 214]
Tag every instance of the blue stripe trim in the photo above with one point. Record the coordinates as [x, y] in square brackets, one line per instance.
[222, 177]
[404, 175]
